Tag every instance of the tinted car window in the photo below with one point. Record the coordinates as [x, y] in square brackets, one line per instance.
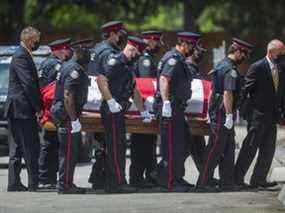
[4, 77]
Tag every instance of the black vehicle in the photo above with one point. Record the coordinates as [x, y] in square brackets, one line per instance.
[6, 53]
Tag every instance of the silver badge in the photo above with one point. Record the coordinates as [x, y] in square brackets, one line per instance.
[58, 76]
[159, 66]
[92, 56]
[111, 62]
[146, 62]
[233, 73]
[172, 61]
[57, 67]
[40, 73]
[74, 74]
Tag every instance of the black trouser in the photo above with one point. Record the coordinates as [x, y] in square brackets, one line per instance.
[262, 136]
[171, 168]
[25, 144]
[195, 146]
[219, 151]
[48, 159]
[68, 156]
[115, 138]
[97, 175]
[143, 156]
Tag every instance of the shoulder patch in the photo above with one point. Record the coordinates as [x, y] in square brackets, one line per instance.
[57, 66]
[146, 62]
[172, 61]
[74, 74]
[112, 62]
[233, 73]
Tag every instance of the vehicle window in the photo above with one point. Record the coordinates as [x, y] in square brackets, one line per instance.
[4, 76]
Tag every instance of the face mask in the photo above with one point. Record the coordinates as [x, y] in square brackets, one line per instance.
[154, 50]
[190, 51]
[199, 57]
[84, 58]
[35, 46]
[122, 40]
[279, 59]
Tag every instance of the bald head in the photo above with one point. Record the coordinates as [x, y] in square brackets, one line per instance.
[275, 49]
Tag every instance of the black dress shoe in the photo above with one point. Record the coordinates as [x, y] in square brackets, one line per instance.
[142, 184]
[263, 184]
[19, 188]
[96, 186]
[121, 189]
[206, 189]
[214, 182]
[185, 183]
[33, 188]
[245, 186]
[72, 190]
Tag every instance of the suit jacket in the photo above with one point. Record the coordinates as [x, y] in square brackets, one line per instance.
[23, 99]
[260, 87]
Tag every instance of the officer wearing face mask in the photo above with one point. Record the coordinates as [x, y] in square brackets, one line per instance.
[143, 146]
[173, 91]
[264, 87]
[226, 85]
[113, 34]
[70, 96]
[122, 86]
[48, 71]
[196, 144]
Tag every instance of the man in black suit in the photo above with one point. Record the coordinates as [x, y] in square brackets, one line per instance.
[264, 86]
[23, 107]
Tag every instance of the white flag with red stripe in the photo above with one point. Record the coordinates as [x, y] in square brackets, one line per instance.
[197, 106]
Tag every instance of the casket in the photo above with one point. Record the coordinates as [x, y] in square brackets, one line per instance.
[195, 112]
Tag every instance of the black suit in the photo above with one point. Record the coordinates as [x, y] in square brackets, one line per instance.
[266, 104]
[23, 102]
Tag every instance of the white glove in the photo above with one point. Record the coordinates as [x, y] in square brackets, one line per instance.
[76, 126]
[166, 109]
[114, 106]
[229, 121]
[147, 117]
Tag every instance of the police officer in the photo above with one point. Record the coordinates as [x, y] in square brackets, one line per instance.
[113, 34]
[197, 143]
[122, 86]
[174, 89]
[70, 96]
[143, 146]
[48, 157]
[226, 85]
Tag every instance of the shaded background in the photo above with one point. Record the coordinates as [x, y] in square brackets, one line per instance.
[257, 21]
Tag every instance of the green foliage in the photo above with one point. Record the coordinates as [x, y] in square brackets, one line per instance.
[166, 17]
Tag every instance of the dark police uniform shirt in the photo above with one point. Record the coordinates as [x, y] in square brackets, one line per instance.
[72, 77]
[145, 67]
[224, 77]
[48, 70]
[118, 71]
[173, 65]
[98, 57]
